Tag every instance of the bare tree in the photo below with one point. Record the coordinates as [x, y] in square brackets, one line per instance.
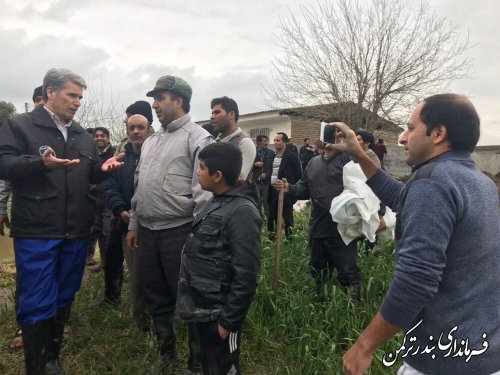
[382, 56]
[99, 108]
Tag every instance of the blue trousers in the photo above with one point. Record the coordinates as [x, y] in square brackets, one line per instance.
[49, 273]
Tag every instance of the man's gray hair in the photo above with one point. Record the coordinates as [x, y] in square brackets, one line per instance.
[57, 77]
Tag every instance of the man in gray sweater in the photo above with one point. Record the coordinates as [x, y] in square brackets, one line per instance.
[167, 198]
[445, 293]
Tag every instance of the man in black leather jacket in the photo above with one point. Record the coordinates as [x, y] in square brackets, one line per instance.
[221, 260]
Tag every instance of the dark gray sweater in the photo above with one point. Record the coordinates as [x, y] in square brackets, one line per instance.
[447, 266]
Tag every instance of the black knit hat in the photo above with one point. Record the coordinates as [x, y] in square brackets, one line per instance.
[141, 107]
[37, 92]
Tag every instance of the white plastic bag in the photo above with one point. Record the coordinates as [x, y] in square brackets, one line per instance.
[356, 208]
[390, 225]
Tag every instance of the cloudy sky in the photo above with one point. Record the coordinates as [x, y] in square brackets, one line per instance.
[219, 47]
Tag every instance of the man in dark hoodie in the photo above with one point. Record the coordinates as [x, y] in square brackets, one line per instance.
[221, 260]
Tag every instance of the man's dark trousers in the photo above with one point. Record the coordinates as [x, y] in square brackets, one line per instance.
[100, 232]
[263, 190]
[113, 267]
[159, 264]
[219, 357]
[273, 214]
[331, 253]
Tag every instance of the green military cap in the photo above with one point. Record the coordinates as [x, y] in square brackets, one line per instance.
[173, 84]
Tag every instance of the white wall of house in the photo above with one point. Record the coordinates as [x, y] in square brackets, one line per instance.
[268, 123]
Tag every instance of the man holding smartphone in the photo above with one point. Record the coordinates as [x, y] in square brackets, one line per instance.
[321, 182]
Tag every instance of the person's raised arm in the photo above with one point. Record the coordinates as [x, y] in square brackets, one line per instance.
[348, 143]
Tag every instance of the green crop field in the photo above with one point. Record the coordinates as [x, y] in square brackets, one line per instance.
[288, 331]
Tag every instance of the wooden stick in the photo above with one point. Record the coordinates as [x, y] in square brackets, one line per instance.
[277, 252]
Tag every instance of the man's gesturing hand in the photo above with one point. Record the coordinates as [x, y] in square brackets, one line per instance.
[51, 162]
[113, 163]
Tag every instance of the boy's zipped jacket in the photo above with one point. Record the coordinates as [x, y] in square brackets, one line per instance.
[221, 260]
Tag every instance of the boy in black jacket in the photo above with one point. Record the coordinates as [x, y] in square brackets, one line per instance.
[221, 260]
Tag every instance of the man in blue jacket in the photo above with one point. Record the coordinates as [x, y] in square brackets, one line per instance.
[445, 293]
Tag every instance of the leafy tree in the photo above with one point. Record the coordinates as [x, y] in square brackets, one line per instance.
[381, 55]
[6, 110]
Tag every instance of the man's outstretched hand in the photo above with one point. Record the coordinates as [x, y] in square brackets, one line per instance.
[113, 163]
[51, 162]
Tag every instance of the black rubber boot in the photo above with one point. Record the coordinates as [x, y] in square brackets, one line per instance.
[354, 291]
[53, 366]
[35, 340]
[113, 267]
[194, 360]
[321, 279]
[113, 288]
[322, 291]
[165, 336]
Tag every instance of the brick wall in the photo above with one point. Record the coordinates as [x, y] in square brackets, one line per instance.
[390, 138]
[303, 127]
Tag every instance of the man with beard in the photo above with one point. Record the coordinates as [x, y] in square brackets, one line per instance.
[140, 107]
[321, 183]
[167, 197]
[119, 192]
[447, 258]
